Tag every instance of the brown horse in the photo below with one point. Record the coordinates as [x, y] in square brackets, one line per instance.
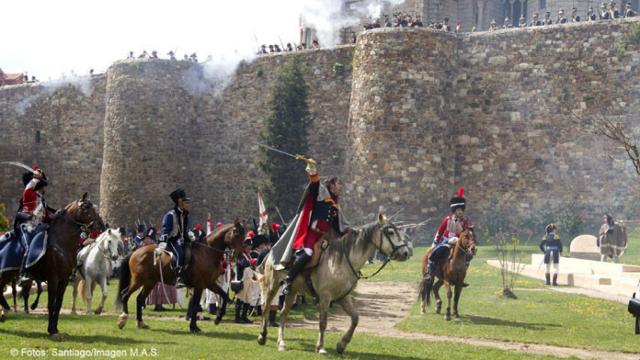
[451, 273]
[56, 265]
[143, 269]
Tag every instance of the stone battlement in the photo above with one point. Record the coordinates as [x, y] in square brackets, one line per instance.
[414, 114]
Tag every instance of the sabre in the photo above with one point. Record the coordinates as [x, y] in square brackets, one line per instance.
[278, 151]
[19, 164]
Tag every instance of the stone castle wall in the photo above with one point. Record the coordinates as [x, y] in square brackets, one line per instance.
[413, 115]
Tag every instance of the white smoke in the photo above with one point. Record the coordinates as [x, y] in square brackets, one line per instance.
[47, 88]
[215, 74]
[328, 17]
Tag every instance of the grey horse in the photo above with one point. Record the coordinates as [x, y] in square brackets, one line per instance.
[335, 276]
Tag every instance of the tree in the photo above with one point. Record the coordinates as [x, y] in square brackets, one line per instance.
[4, 221]
[286, 129]
[618, 132]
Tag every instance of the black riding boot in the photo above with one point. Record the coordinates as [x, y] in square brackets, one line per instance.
[272, 319]
[245, 310]
[298, 265]
[259, 310]
[547, 277]
[555, 279]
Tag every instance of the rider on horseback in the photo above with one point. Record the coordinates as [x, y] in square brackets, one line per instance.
[33, 210]
[319, 212]
[448, 232]
[175, 229]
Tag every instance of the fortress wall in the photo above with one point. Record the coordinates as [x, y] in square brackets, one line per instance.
[521, 102]
[400, 120]
[69, 118]
[166, 130]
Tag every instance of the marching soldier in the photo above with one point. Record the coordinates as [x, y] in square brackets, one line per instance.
[551, 246]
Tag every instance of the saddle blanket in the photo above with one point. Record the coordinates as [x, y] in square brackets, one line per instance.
[12, 248]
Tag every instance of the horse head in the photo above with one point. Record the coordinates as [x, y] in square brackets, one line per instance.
[84, 213]
[234, 238]
[109, 241]
[390, 241]
[467, 240]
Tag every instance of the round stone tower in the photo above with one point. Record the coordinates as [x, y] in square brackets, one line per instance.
[149, 124]
[399, 154]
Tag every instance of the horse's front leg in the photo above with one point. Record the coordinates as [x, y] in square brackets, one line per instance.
[270, 292]
[288, 304]
[88, 294]
[103, 287]
[456, 297]
[447, 316]
[59, 297]
[324, 313]
[51, 307]
[193, 310]
[347, 305]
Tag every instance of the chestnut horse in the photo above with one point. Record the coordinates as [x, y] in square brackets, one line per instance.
[141, 269]
[56, 265]
[451, 273]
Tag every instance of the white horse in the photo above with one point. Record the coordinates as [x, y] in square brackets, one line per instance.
[95, 265]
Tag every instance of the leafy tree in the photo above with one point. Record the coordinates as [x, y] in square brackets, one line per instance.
[286, 129]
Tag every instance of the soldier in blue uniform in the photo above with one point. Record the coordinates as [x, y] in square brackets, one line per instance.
[174, 235]
[551, 246]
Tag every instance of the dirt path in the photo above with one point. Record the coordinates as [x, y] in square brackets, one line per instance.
[384, 304]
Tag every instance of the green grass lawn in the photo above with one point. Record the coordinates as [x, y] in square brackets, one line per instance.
[225, 341]
[537, 316]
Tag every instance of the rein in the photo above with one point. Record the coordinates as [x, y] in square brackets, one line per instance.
[209, 247]
[358, 274]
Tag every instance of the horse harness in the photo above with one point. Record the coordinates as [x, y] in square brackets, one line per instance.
[358, 274]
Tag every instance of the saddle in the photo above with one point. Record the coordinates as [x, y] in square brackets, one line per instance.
[318, 249]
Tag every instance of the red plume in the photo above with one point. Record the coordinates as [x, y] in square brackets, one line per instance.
[460, 192]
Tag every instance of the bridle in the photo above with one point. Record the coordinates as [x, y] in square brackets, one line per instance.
[83, 227]
[394, 249]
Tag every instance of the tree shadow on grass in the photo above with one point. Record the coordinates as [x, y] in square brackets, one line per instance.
[483, 320]
[85, 339]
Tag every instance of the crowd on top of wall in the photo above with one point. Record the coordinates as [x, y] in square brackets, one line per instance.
[402, 20]
[606, 12]
[172, 56]
[275, 48]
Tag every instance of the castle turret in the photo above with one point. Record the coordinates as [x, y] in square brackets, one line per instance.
[148, 136]
[400, 123]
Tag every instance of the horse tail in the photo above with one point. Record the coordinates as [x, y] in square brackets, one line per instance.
[125, 280]
[426, 286]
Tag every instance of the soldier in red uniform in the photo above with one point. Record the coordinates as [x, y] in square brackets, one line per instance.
[449, 230]
[319, 211]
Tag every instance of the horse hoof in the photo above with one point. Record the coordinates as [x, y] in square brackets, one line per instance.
[282, 347]
[3, 317]
[56, 337]
[321, 351]
[98, 310]
[340, 348]
[262, 340]
[142, 325]
[122, 320]
[217, 320]
[447, 317]
[195, 330]
[34, 306]
[422, 311]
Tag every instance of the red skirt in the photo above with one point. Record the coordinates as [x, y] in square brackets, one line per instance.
[157, 297]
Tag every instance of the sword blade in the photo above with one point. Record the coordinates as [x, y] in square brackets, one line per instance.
[276, 150]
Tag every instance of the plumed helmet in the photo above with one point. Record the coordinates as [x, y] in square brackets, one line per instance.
[458, 202]
[140, 228]
[151, 232]
[178, 194]
[198, 227]
[251, 234]
[275, 227]
[219, 224]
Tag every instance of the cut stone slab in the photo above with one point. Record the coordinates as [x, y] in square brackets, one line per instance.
[585, 247]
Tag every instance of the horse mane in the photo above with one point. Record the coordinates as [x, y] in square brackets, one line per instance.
[348, 240]
[219, 234]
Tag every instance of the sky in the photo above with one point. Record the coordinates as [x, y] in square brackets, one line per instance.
[52, 39]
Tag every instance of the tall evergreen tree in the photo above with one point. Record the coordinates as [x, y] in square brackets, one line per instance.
[286, 129]
[4, 221]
